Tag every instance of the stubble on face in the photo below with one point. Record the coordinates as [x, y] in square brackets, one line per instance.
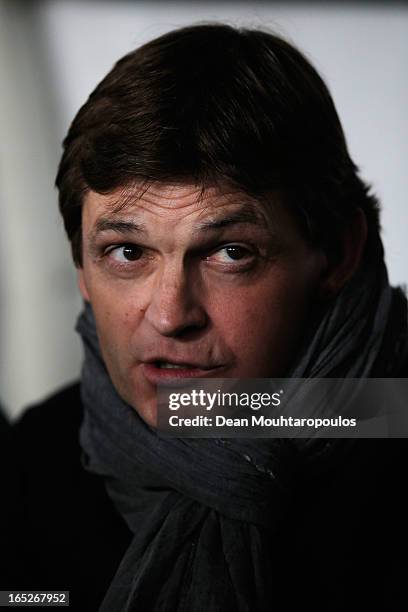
[209, 278]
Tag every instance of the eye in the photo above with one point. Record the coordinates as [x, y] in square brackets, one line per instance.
[126, 253]
[236, 252]
[231, 253]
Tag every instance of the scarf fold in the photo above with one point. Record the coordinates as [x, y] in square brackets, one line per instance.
[204, 512]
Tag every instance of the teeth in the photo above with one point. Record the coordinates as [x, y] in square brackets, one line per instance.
[168, 366]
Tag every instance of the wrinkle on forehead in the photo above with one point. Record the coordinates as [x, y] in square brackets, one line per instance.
[162, 195]
[176, 196]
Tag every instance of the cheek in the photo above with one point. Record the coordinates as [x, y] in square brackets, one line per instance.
[116, 319]
[257, 322]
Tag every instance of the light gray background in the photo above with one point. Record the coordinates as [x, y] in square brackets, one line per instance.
[52, 54]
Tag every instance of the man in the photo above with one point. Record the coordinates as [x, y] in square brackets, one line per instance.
[220, 229]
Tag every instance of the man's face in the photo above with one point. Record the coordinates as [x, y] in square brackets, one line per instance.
[183, 286]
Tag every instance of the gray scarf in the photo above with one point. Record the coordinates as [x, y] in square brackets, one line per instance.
[204, 512]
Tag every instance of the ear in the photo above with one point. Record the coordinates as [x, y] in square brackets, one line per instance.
[82, 284]
[352, 248]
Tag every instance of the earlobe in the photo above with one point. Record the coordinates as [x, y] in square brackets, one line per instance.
[353, 242]
[82, 284]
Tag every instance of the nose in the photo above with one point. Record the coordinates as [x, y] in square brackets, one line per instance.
[175, 309]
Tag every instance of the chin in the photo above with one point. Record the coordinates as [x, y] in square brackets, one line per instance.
[144, 405]
[148, 413]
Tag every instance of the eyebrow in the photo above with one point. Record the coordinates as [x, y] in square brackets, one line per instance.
[247, 215]
[117, 225]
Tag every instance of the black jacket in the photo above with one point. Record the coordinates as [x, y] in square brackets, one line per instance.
[344, 544]
[66, 533]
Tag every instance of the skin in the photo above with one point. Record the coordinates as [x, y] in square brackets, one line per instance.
[215, 280]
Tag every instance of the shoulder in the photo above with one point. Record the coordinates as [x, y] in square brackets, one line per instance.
[46, 436]
[63, 408]
[45, 445]
[69, 533]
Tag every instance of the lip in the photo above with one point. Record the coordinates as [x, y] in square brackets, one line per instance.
[157, 376]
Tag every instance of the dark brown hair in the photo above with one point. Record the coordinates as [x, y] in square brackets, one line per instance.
[214, 104]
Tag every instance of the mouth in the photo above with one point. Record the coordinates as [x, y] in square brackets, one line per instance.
[160, 371]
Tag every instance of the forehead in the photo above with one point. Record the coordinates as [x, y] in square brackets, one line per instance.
[174, 204]
[171, 203]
